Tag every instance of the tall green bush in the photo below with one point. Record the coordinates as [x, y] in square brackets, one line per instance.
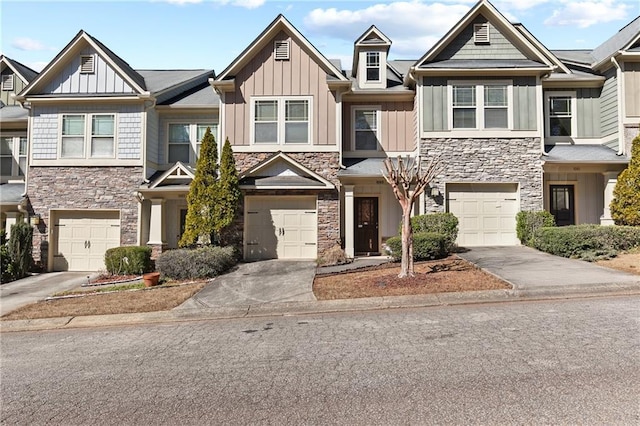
[229, 195]
[20, 248]
[527, 222]
[445, 224]
[5, 259]
[625, 207]
[128, 260]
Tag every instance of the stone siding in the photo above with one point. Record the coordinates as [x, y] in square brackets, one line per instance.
[631, 131]
[504, 160]
[83, 188]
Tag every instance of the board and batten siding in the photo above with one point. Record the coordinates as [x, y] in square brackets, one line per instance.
[463, 46]
[609, 104]
[435, 105]
[46, 120]
[588, 114]
[103, 80]
[632, 89]
[589, 190]
[397, 125]
[18, 85]
[264, 76]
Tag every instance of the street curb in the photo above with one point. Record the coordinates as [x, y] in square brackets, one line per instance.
[323, 307]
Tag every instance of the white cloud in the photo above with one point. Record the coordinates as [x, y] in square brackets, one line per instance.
[26, 43]
[247, 4]
[584, 14]
[413, 26]
[518, 4]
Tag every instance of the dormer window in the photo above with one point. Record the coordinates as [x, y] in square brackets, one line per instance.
[373, 66]
[87, 64]
[281, 50]
[7, 82]
[481, 33]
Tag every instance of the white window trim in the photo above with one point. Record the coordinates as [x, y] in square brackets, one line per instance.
[366, 67]
[86, 148]
[8, 78]
[281, 120]
[16, 156]
[378, 110]
[574, 121]
[193, 137]
[480, 85]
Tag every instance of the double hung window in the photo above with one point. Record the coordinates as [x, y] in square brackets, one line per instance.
[185, 140]
[13, 155]
[281, 120]
[366, 128]
[98, 129]
[476, 105]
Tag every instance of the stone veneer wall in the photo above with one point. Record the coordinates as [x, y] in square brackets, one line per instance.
[630, 133]
[83, 188]
[492, 160]
[325, 164]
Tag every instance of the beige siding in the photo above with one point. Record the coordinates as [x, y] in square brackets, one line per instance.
[632, 88]
[588, 192]
[397, 125]
[18, 85]
[264, 76]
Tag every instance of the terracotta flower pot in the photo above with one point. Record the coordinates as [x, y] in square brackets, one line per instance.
[151, 279]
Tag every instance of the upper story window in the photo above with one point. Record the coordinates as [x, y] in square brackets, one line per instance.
[480, 105]
[366, 128]
[373, 66]
[281, 120]
[560, 120]
[7, 82]
[98, 129]
[185, 139]
[13, 155]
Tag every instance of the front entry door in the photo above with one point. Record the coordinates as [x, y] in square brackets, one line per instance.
[562, 204]
[366, 226]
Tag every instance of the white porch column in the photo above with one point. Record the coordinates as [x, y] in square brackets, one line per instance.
[156, 222]
[11, 219]
[610, 180]
[348, 221]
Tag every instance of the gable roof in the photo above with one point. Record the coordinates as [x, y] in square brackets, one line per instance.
[179, 173]
[371, 37]
[119, 65]
[262, 175]
[279, 24]
[25, 73]
[623, 39]
[486, 9]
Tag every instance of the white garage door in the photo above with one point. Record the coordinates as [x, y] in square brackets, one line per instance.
[486, 213]
[82, 237]
[280, 227]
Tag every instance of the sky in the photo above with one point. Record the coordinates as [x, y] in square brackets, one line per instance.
[210, 34]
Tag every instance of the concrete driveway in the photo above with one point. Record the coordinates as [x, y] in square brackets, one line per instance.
[257, 283]
[529, 269]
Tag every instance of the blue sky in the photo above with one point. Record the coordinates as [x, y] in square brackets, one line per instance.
[178, 34]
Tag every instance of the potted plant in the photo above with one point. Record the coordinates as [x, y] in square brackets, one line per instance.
[151, 278]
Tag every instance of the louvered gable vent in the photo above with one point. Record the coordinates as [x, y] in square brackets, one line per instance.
[481, 33]
[87, 64]
[281, 49]
[7, 82]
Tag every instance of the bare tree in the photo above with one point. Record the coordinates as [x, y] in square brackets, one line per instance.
[408, 179]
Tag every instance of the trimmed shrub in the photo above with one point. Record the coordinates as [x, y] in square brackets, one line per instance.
[445, 224]
[129, 260]
[20, 247]
[528, 222]
[5, 259]
[426, 246]
[587, 242]
[204, 262]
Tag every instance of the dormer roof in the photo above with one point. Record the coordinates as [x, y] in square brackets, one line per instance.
[372, 37]
[23, 72]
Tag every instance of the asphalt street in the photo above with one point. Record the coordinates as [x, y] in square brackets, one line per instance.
[553, 362]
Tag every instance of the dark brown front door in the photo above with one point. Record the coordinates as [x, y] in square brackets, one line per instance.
[562, 204]
[366, 226]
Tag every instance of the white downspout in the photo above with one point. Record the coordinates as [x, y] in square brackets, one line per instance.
[621, 109]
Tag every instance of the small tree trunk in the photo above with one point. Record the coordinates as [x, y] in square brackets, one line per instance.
[406, 267]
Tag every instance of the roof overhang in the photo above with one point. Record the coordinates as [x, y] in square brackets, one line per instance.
[454, 72]
[299, 176]
[179, 172]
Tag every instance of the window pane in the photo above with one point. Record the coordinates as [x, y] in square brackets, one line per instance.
[464, 96]
[266, 111]
[22, 166]
[373, 59]
[560, 105]
[6, 146]
[102, 147]
[464, 118]
[495, 118]
[73, 125]
[5, 165]
[373, 74]
[202, 129]
[266, 132]
[296, 110]
[72, 147]
[178, 133]
[102, 125]
[23, 146]
[296, 132]
[366, 120]
[560, 126]
[495, 96]
[179, 152]
[366, 140]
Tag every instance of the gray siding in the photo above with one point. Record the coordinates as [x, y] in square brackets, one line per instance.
[163, 128]
[588, 114]
[525, 107]
[46, 121]
[103, 80]
[153, 141]
[632, 88]
[18, 85]
[463, 46]
[608, 105]
[434, 104]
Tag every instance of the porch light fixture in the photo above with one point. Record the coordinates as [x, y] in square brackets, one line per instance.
[435, 192]
[35, 220]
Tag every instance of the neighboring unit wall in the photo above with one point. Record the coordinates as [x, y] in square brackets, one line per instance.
[188, 118]
[609, 105]
[632, 89]
[264, 76]
[18, 85]
[505, 160]
[152, 141]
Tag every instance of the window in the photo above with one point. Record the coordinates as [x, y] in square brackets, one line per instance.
[13, 155]
[101, 135]
[281, 49]
[476, 105]
[87, 64]
[481, 33]
[281, 120]
[185, 139]
[366, 128]
[7, 82]
[373, 66]
[559, 113]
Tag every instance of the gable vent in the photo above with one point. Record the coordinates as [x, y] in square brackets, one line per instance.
[7, 82]
[481, 33]
[87, 64]
[281, 50]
